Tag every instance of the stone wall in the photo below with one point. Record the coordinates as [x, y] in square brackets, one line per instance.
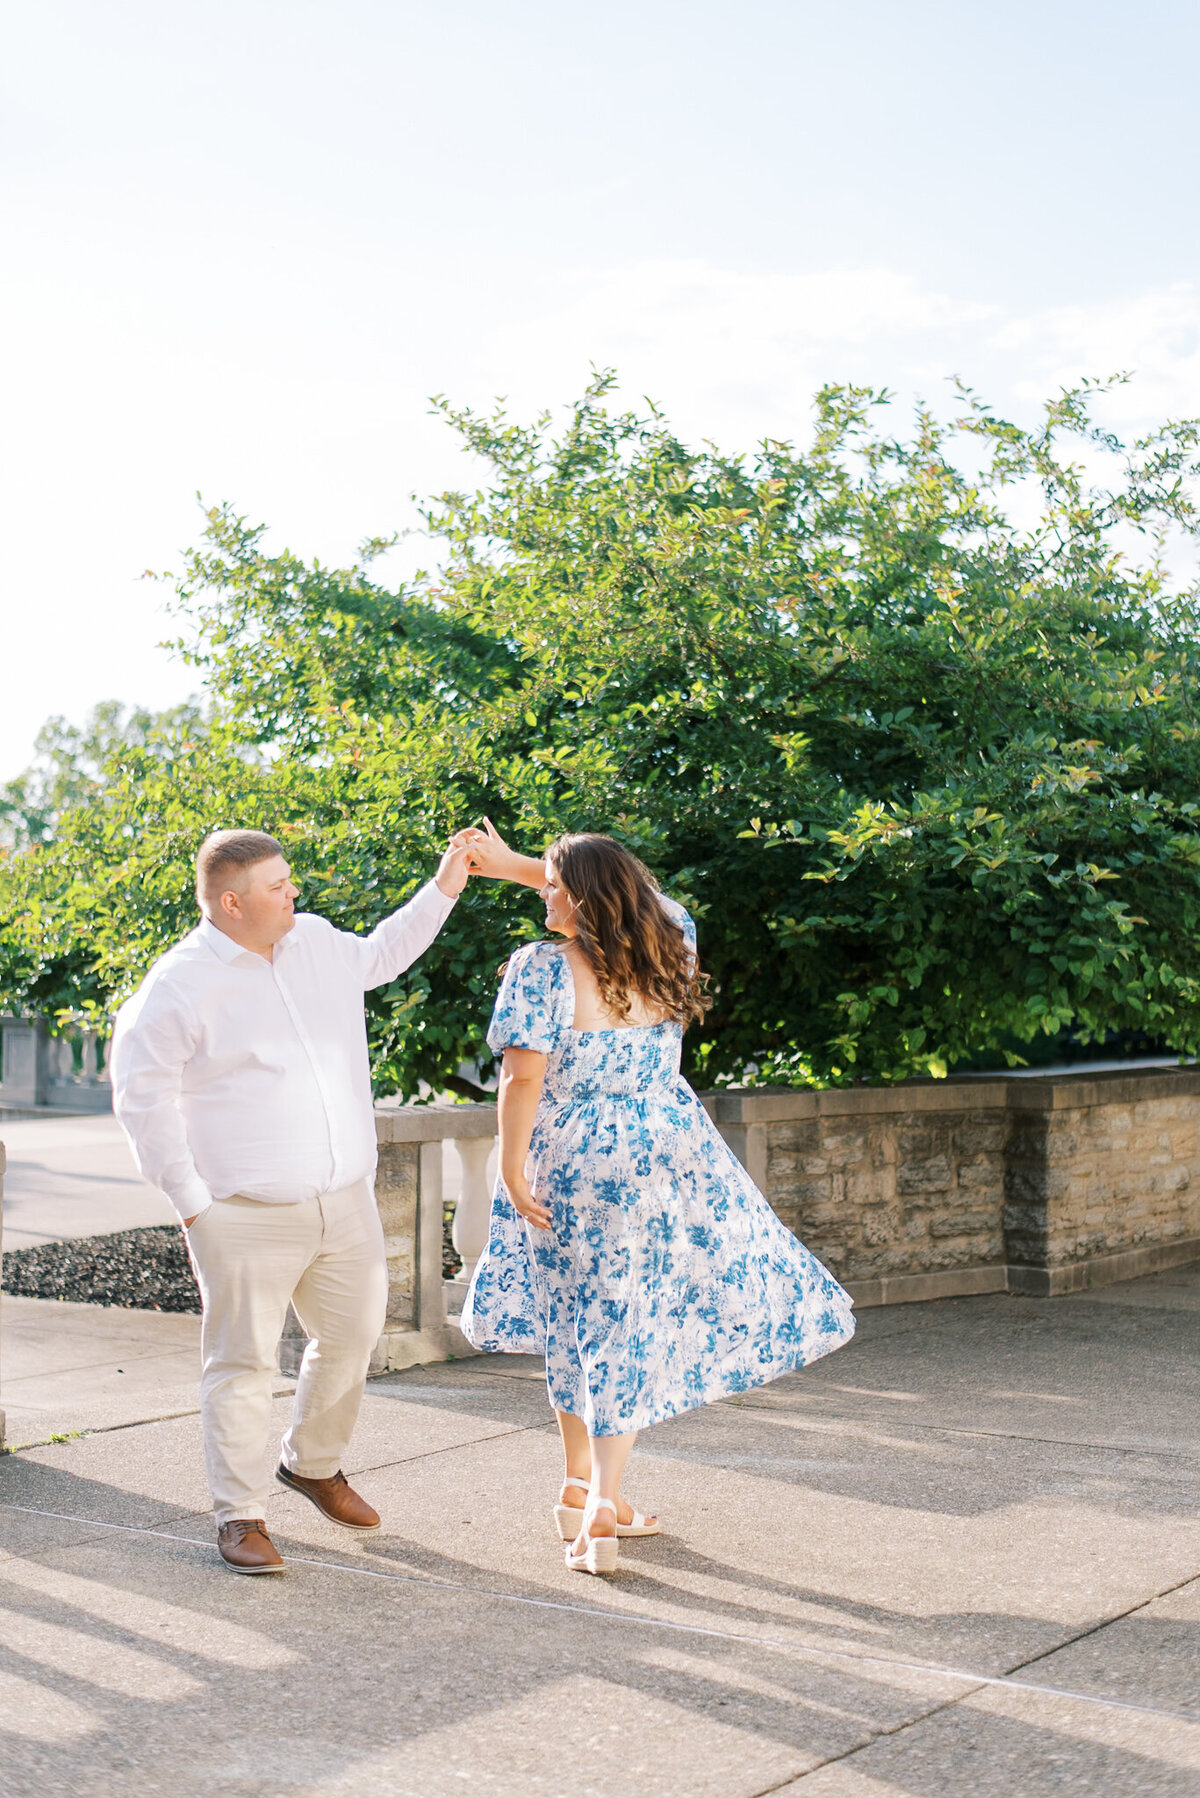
[1103, 1180]
[927, 1188]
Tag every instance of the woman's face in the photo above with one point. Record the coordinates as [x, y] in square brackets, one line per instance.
[560, 910]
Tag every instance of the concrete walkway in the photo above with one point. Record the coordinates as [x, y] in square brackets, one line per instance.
[93, 1367]
[71, 1177]
[960, 1557]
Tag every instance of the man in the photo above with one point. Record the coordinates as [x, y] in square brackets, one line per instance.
[240, 1075]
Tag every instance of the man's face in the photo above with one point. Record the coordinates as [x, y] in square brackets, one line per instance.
[266, 904]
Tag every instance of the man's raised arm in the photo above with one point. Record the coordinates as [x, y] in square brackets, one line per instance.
[397, 942]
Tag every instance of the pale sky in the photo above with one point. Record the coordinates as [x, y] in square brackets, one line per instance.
[244, 241]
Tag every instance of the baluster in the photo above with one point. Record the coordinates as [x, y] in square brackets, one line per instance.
[471, 1213]
[88, 1065]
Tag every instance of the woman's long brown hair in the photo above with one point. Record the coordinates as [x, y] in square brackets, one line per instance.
[632, 945]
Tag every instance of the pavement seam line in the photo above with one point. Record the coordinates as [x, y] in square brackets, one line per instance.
[976, 1681]
[450, 1448]
[134, 1423]
[184, 1348]
[942, 1429]
[103, 1429]
[1009, 1683]
[879, 1735]
[1094, 1629]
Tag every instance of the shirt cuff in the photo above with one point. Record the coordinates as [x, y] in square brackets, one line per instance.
[431, 895]
[191, 1199]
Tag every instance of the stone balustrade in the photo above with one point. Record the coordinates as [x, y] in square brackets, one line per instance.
[41, 1070]
[3, 1165]
[410, 1192]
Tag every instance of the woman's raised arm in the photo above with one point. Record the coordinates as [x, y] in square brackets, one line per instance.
[491, 856]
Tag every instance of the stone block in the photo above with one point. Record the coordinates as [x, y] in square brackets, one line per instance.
[985, 1175]
[929, 1175]
[810, 1167]
[877, 1229]
[797, 1139]
[810, 1192]
[1025, 1187]
[396, 1193]
[915, 1144]
[965, 1222]
[868, 1190]
[985, 1136]
[843, 1146]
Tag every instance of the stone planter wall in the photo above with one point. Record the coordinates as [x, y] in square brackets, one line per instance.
[928, 1189]
[1103, 1180]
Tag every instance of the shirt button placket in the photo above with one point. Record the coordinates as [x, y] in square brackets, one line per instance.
[315, 1064]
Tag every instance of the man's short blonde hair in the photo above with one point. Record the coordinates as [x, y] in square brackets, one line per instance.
[224, 857]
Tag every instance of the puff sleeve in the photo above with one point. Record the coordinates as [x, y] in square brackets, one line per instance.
[535, 1002]
[679, 916]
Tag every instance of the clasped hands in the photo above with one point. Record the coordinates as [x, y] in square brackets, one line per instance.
[473, 851]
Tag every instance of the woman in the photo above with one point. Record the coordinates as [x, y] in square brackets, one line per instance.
[636, 1255]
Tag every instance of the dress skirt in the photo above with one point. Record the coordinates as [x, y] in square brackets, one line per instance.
[665, 1280]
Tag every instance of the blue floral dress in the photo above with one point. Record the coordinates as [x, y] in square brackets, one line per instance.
[665, 1280]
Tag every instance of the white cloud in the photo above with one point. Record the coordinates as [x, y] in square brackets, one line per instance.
[736, 355]
[322, 429]
[1154, 334]
[732, 355]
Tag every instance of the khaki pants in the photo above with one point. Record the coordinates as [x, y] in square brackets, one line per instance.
[252, 1259]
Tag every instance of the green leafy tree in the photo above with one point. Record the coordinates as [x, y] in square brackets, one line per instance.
[70, 761]
[927, 776]
[47, 964]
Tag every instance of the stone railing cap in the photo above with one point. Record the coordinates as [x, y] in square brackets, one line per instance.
[1030, 1092]
[433, 1123]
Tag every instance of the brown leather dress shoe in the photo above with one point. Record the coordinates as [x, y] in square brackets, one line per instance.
[246, 1547]
[334, 1498]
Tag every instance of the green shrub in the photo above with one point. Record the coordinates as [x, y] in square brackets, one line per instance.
[928, 777]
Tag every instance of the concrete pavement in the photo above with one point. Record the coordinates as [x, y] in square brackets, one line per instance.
[93, 1367]
[71, 1177]
[960, 1557]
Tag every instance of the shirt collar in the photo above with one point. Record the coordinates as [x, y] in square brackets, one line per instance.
[224, 946]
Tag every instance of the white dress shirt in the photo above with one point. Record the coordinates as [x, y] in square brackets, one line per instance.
[234, 1074]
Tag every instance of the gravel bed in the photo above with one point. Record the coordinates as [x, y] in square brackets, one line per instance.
[451, 1262]
[141, 1270]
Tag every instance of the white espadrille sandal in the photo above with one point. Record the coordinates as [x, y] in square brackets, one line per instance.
[566, 1518]
[599, 1552]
